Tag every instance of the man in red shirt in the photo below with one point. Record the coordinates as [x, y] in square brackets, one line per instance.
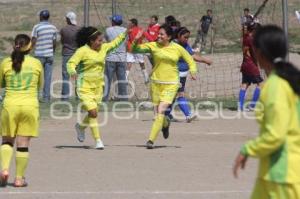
[134, 29]
[152, 31]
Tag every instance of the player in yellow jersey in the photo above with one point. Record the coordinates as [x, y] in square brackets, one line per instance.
[164, 76]
[87, 66]
[278, 113]
[22, 76]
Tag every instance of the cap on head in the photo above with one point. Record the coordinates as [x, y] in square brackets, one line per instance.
[45, 14]
[117, 18]
[72, 17]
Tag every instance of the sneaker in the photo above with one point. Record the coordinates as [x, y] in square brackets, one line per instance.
[165, 130]
[20, 182]
[99, 145]
[149, 144]
[297, 15]
[171, 118]
[44, 101]
[196, 50]
[190, 118]
[3, 178]
[80, 133]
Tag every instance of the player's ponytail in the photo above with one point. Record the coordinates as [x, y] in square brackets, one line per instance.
[272, 43]
[22, 47]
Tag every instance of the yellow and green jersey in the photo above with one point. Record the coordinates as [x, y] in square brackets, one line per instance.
[278, 143]
[90, 63]
[165, 58]
[21, 88]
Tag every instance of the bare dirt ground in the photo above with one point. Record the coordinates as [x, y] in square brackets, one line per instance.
[195, 162]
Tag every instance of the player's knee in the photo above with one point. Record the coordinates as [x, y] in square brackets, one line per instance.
[8, 143]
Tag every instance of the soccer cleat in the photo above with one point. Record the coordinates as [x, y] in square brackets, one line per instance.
[190, 118]
[165, 130]
[3, 178]
[80, 133]
[99, 145]
[20, 182]
[171, 118]
[149, 144]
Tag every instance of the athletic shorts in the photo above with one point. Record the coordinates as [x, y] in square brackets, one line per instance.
[19, 121]
[270, 190]
[135, 58]
[182, 84]
[163, 92]
[90, 97]
[250, 79]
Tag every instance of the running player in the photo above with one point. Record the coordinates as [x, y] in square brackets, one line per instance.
[90, 58]
[278, 144]
[164, 78]
[183, 35]
[22, 76]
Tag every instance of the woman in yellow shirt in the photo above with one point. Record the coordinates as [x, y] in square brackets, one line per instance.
[21, 75]
[87, 66]
[164, 76]
[278, 113]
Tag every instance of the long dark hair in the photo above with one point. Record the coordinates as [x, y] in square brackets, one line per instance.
[87, 34]
[271, 40]
[181, 31]
[169, 31]
[21, 48]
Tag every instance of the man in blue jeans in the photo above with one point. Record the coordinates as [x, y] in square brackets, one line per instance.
[44, 41]
[69, 46]
[116, 61]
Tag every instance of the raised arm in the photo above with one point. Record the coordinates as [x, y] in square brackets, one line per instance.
[111, 46]
[140, 48]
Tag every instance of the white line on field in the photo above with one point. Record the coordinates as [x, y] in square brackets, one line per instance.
[126, 192]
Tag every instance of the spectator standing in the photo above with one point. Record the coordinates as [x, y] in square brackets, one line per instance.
[69, 46]
[44, 42]
[205, 22]
[116, 60]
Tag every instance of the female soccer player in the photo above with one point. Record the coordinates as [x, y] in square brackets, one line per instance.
[278, 144]
[21, 75]
[90, 58]
[182, 37]
[164, 77]
[249, 69]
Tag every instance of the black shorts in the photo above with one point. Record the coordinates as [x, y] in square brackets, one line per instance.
[251, 79]
[182, 82]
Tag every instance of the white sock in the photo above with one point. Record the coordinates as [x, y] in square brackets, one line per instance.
[127, 74]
